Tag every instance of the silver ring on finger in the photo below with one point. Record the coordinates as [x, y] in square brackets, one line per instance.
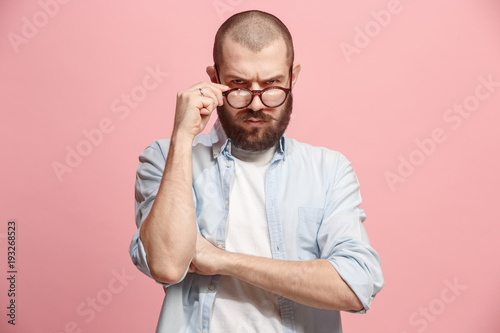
[201, 92]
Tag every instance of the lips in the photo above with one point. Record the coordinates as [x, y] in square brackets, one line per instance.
[254, 118]
[254, 122]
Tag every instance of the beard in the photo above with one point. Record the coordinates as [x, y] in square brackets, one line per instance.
[256, 138]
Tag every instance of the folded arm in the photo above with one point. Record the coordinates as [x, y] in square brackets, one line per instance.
[168, 233]
[314, 283]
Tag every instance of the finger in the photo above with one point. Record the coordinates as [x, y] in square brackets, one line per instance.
[206, 105]
[220, 89]
[211, 93]
[218, 86]
[205, 112]
[220, 98]
[213, 89]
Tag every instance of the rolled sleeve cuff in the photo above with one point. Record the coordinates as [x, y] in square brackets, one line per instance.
[138, 255]
[365, 280]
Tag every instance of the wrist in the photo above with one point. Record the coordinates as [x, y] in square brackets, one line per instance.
[228, 262]
[181, 138]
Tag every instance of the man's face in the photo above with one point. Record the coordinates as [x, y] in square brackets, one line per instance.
[255, 127]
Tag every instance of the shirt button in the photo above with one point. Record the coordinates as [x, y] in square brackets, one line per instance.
[226, 202]
[219, 246]
[204, 331]
[211, 287]
[229, 164]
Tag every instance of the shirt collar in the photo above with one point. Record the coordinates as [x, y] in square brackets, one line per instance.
[221, 143]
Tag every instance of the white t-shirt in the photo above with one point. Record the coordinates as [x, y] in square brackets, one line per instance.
[240, 307]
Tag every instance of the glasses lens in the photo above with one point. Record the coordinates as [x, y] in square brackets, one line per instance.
[239, 98]
[273, 97]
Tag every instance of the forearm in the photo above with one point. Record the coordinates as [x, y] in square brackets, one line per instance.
[314, 283]
[169, 232]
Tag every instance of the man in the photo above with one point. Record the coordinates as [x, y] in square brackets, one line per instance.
[248, 230]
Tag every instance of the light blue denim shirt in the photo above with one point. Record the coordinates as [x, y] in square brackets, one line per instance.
[312, 206]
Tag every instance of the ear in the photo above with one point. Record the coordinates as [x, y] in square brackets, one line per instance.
[295, 73]
[212, 74]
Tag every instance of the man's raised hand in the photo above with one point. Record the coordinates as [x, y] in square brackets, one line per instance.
[195, 106]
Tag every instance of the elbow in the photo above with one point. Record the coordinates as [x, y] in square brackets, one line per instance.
[355, 304]
[350, 303]
[168, 275]
[168, 269]
[346, 300]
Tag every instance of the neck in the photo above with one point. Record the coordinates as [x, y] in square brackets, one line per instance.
[259, 157]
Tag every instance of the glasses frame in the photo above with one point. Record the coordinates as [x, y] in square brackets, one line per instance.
[256, 92]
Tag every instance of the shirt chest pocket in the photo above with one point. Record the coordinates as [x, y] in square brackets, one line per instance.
[307, 232]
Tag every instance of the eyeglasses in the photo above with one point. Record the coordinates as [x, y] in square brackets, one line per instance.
[272, 97]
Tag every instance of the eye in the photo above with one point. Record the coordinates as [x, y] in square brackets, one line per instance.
[239, 82]
[271, 82]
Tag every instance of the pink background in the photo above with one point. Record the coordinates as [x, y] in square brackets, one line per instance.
[434, 226]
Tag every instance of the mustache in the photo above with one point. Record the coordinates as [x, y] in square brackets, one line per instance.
[251, 114]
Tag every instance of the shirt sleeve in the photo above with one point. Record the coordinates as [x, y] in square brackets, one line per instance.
[148, 178]
[343, 240]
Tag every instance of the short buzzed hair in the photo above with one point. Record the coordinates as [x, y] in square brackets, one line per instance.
[255, 30]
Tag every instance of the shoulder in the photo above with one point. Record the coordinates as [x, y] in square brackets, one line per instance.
[296, 150]
[160, 148]
[155, 153]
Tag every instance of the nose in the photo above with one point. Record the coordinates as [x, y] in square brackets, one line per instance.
[256, 104]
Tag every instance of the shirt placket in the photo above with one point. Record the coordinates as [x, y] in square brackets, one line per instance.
[276, 236]
[225, 165]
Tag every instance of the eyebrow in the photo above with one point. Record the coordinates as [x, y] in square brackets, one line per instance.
[278, 77]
